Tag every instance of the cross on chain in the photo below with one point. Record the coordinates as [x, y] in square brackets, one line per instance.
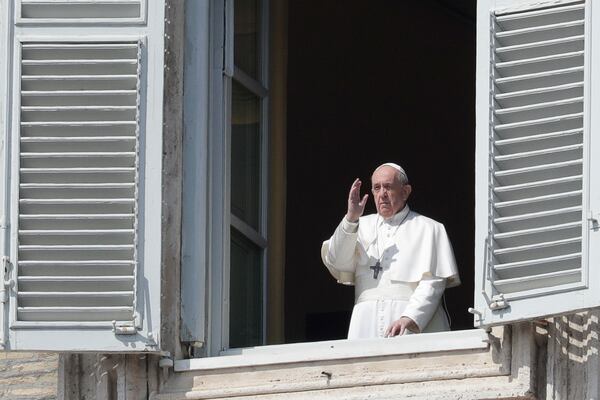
[376, 268]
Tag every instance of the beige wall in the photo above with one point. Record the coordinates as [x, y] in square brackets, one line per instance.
[28, 376]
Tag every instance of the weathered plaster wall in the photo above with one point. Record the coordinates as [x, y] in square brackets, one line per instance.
[28, 376]
[573, 367]
[172, 177]
[107, 377]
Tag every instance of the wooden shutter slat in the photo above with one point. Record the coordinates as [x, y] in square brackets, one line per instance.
[77, 263]
[511, 20]
[544, 153]
[539, 214]
[73, 314]
[536, 65]
[78, 124]
[539, 28]
[79, 46]
[78, 283]
[539, 281]
[503, 16]
[537, 168]
[85, 170]
[536, 123]
[528, 107]
[536, 184]
[79, 154]
[537, 137]
[515, 269]
[76, 185]
[535, 246]
[540, 49]
[87, 78]
[542, 43]
[535, 80]
[77, 108]
[536, 60]
[553, 73]
[85, 299]
[81, 11]
[79, 97]
[533, 231]
[81, 62]
[88, 279]
[537, 91]
[536, 199]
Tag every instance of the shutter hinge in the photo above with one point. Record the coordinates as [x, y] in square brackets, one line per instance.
[125, 329]
[593, 218]
[498, 303]
[6, 284]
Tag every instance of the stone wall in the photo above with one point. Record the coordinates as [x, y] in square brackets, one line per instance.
[28, 376]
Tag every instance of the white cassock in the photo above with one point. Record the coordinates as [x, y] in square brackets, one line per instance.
[416, 261]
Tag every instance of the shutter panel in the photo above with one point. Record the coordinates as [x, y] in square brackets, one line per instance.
[532, 162]
[78, 181]
[85, 206]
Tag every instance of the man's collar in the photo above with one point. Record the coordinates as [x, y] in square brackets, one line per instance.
[397, 218]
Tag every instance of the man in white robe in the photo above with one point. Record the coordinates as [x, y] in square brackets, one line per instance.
[399, 261]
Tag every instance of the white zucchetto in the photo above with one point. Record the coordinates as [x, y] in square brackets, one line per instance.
[395, 166]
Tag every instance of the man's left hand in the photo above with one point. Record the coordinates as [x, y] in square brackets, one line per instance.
[400, 326]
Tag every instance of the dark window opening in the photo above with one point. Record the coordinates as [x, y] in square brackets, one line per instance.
[371, 82]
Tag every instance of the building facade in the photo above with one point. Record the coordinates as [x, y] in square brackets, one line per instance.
[146, 151]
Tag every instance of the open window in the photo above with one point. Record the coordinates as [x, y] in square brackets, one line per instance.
[353, 101]
[325, 98]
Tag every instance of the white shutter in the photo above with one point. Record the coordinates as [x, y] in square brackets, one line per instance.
[533, 139]
[78, 180]
[84, 256]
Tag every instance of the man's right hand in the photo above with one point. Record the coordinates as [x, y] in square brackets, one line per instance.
[356, 206]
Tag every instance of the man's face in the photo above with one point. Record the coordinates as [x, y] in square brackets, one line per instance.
[389, 194]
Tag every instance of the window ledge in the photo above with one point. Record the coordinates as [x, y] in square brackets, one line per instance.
[338, 350]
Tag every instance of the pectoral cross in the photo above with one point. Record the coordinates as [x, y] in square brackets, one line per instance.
[376, 268]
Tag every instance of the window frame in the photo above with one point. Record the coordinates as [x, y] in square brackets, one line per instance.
[258, 87]
[207, 217]
[222, 73]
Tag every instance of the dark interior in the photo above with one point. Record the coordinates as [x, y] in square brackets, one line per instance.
[372, 82]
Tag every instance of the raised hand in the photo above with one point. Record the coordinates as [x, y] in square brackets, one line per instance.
[356, 205]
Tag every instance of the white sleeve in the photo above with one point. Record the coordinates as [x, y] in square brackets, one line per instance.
[425, 300]
[341, 247]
